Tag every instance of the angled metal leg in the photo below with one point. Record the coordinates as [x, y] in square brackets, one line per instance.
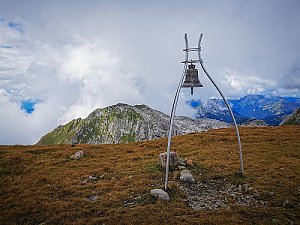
[231, 113]
[174, 106]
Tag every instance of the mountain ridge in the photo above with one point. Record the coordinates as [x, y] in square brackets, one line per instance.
[122, 123]
[270, 109]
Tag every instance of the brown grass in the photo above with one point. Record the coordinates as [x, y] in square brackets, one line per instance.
[42, 185]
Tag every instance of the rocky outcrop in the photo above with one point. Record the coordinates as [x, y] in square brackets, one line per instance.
[255, 123]
[293, 119]
[123, 123]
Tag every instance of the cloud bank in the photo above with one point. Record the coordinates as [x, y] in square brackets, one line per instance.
[72, 57]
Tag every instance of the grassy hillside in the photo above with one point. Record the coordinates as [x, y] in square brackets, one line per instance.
[42, 185]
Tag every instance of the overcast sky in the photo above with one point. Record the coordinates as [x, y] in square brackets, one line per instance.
[72, 57]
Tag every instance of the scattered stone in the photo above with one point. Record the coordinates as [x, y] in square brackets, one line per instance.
[246, 187]
[288, 204]
[181, 167]
[173, 159]
[271, 193]
[182, 162]
[132, 201]
[240, 188]
[213, 194]
[186, 176]
[78, 155]
[92, 198]
[93, 178]
[161, 194]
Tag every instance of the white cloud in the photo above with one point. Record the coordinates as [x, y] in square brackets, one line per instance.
[69, 81]
[237, 84]
[99, 77]
[98, 54]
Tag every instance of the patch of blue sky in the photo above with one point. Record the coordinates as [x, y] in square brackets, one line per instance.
[28, 105]
[194, 103]
[5, 46]
[16, 26]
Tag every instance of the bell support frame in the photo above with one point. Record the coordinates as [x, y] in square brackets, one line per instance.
[174, 106]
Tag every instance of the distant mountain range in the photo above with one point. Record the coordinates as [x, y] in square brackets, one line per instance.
[123, 123]
[270, 109]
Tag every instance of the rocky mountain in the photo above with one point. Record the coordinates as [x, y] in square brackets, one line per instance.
[254, 123]
[293, 119]
[270, 109]
[123, 123]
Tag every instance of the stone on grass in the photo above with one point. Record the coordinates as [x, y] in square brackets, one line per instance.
[78, 155]
[92, 198]
[246, 187]
[173, 159]
[93, 178]
[161, 194]
[288, 204]
[186, 176]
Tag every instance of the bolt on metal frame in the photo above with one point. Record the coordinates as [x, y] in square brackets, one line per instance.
[174, 106]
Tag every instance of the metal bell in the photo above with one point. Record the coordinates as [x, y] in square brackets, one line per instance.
[191, 78]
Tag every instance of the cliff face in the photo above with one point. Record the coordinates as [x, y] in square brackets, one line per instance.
[123, 123]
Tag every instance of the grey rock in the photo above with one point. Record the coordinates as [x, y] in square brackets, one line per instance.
[91, 198]
[246, 187]
[288, 204]
[78, 155]
[255, 123]
[181, 167]
[186, 176]
[93, 178]
[161, 194]
[240, 188]
[173, 159]
[132, 201]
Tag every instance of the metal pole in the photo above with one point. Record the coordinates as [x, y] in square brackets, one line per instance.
[232, 116]
[173, 113]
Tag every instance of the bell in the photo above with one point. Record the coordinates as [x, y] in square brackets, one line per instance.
[191, 78]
